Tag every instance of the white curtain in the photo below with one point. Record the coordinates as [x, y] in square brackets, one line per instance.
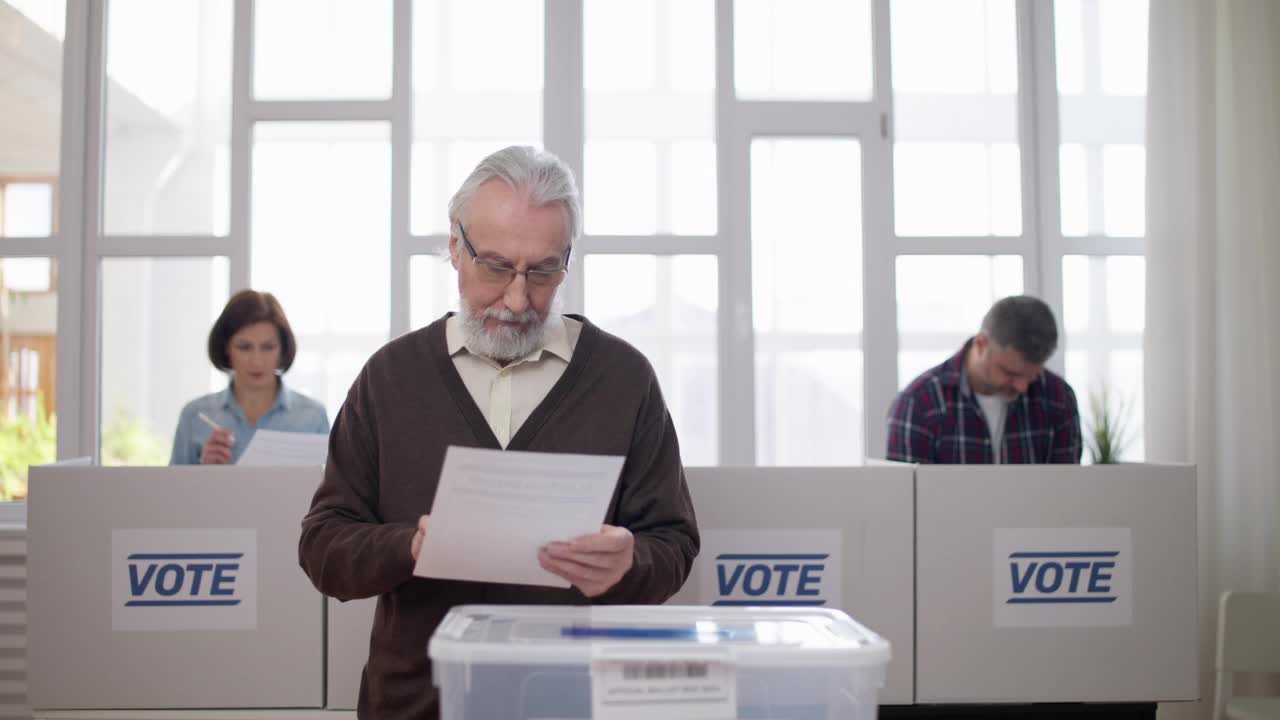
[1213, 284]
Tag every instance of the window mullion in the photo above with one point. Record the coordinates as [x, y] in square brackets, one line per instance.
[82, 65]
[1046, 223]
[401, 155]
[736, 347]
[563, 104]
[879, 248]
[241, 197]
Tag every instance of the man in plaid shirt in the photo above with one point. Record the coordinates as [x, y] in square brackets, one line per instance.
[993, 402]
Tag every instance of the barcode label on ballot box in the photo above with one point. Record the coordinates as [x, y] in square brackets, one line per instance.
[664, 671]
[631, 688]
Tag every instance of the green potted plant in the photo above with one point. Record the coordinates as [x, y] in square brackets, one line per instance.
[24, 442]
[127, 441]
[1107, 433]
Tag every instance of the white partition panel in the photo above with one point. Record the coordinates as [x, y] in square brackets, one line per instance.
[171, 588]
[349, 625]
[831, 537]
[1056, 584]
[858, 519]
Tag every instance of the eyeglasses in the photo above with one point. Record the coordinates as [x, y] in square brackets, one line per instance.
[502, 274]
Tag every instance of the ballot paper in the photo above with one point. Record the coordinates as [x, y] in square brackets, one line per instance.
[272, 447]
[493, 509]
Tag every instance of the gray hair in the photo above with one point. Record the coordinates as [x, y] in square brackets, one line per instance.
[1025, 324]
[545, 177]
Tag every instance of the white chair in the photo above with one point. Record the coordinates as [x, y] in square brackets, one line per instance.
[1248, 641]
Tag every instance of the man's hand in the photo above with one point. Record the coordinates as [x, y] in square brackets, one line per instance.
[415, 546]
[592, 563]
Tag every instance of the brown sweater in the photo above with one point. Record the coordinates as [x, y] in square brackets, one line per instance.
[385, 453]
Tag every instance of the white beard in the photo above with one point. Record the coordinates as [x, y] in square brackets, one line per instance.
[504, 344]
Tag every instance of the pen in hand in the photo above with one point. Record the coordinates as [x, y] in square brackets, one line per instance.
[217, 447]
[209, 421]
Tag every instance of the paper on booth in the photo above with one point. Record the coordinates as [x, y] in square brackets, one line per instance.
[494, 508]
[273, 447]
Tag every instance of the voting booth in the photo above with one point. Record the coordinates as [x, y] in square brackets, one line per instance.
[1056, 584]
[171, 588]
[838, 538]
[993, 584]
[349, 624]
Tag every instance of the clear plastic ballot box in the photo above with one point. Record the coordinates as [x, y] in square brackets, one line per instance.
[631, 662]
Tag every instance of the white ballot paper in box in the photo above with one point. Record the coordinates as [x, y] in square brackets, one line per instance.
[494, 508]
[273, 447]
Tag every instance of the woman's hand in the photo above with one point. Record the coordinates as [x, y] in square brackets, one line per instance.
[217, 449]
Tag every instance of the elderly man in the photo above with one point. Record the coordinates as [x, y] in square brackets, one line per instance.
[505, 372]
[994, 401]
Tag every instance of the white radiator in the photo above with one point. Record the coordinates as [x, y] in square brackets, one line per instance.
[13, 622]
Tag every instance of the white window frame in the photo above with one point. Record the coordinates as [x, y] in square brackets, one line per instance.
[81, 244]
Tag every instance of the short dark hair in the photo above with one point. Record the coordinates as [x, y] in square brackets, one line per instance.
[245, 308]
[1025, 324]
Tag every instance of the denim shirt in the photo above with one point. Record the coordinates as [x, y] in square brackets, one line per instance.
[291, 412]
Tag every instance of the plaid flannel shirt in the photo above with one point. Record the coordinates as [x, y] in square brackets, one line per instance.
[937, 419]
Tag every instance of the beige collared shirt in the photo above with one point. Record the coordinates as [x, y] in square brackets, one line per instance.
[508, 395]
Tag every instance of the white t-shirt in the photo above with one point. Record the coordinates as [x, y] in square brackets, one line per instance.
[995, 408]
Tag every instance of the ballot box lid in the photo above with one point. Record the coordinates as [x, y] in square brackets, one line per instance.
[748, 636]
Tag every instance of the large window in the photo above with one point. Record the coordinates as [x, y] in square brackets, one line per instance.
[30, 168]
[649, 180]
[791, 207]
[962, 238]
[321, 201]
[807, 193]
[477, 86]
[159, 269]
[168, 111]
[941, 301]
[1102, 85]
[956, 152]
[28, 369]
[807, 50]
[666, 307]
[154, 360]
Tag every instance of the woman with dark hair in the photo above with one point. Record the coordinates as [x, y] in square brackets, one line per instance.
[252, 342]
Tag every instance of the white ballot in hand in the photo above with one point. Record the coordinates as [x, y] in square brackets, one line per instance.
[493, 509]
[273, 447]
